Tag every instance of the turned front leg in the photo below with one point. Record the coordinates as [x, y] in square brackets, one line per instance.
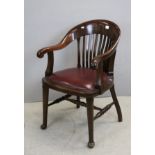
[45, 105]
[90, 116]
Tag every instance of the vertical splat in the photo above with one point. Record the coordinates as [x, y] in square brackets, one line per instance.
[87, 51]
[83, 52]
[100, 43]
[103, 44]
[78, 48]
[91, 48]
[95, 45]
[107, 44]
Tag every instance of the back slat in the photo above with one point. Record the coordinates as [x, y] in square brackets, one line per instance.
[78, 47]
[87, 50]
[83, 52]
[91, 48]
[103, 44]
[100, 43]
[95, 45]
[107, 44]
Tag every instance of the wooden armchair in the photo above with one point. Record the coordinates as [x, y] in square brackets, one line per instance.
[96, 48]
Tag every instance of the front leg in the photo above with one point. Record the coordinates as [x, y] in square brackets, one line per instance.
[45, 105]
[90, 116]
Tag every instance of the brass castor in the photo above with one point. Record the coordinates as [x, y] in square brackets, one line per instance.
[43, 126]
[91, 144]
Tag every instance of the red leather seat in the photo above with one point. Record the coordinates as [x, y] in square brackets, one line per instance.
[77, 79]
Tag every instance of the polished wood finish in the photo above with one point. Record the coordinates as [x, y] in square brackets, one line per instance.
[97, 41]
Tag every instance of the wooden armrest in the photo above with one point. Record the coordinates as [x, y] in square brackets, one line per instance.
[65, 41]
[42, 51]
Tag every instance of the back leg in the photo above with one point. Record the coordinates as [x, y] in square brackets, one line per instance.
[90, 117]
[78, 105]
[118, 109]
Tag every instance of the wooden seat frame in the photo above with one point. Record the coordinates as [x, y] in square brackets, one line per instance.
[98, 53]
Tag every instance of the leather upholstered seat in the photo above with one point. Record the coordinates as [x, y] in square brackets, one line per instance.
[77, 79]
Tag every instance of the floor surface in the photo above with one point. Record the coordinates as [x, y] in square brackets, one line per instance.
[67, 131]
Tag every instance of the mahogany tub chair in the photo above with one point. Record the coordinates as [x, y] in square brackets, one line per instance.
[97, 41]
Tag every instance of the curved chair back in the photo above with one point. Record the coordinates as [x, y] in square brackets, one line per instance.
[94, 38]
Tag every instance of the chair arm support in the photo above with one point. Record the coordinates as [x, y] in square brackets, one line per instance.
[102, 57]
[97, 64]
